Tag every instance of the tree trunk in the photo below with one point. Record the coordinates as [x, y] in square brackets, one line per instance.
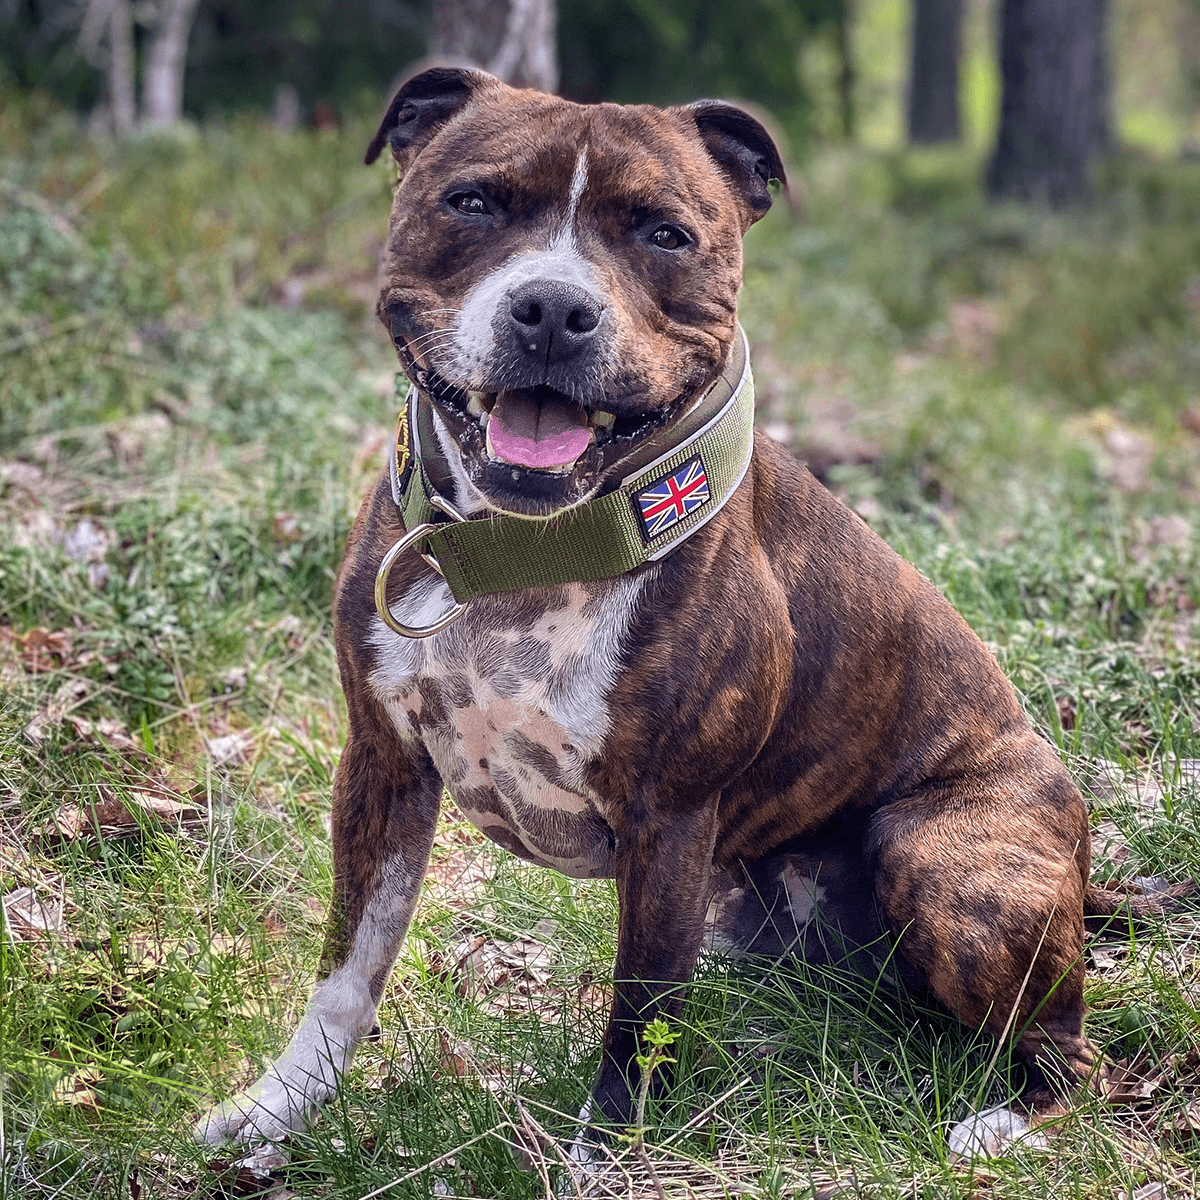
[933, 83]
[514, 39]
[1053, 91]
[121, 68]
[1102, 83]
[845, 84]
[166, 58]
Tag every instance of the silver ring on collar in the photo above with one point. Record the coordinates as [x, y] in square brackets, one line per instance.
[413, 536]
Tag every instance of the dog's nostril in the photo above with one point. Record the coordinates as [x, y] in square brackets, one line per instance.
[526, 311]
[583, 319]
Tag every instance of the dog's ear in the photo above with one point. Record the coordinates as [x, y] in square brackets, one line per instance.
[743, 149]
[422, 104]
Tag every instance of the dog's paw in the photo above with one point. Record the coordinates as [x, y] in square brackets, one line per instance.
[267, 1112]
[988, 1134]
[587, 1159]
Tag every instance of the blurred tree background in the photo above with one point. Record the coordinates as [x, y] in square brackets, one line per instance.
[881, 71]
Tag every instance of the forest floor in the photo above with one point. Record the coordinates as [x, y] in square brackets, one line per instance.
[193, 398]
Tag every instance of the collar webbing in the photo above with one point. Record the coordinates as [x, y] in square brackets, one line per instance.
[650, 513]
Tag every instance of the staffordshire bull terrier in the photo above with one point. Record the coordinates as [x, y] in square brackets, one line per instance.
[633, 639]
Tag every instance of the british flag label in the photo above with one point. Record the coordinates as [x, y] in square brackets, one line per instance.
[667, 500]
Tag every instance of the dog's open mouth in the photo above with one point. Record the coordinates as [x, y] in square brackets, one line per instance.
[541, 428]
[537, 428]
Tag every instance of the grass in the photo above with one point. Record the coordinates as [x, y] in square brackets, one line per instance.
[194, 399]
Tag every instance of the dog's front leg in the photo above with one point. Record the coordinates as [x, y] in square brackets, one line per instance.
[664, 877]
[385, 808]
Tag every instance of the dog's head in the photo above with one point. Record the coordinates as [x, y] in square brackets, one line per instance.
[562, 279]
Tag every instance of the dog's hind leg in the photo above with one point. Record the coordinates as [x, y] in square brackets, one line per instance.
[385, 810]
[983, 882]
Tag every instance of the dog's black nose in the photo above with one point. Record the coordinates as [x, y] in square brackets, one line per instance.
[553, 320]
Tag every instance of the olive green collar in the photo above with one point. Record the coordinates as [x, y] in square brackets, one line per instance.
[679, 479]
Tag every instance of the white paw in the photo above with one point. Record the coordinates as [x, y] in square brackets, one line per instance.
[989, 1133]
[267, 1111]
[587, 1157]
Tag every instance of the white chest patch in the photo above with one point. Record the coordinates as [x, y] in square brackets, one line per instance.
[511, 703]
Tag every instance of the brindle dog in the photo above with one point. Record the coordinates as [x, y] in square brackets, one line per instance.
[781, 729]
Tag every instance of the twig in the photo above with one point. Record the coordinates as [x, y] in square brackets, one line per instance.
[539, 1132]
[437, 1162]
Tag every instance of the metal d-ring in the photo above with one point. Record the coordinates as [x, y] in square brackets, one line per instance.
[381, 581]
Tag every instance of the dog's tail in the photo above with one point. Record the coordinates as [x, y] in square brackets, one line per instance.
[1141, 899]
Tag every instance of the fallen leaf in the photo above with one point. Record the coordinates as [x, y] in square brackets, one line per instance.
[989, 1134]
[39, 650]
[78, 1089]
[1132, 1081]
[452, 1061]
[1105, 960]
[115, 817]
[1186, 1127]
[88, 543]
[1109, 844]
[230, 749]
[29, 916]
[1173, 530]
[1128, 458]
[1148, 1191]
[68, 697]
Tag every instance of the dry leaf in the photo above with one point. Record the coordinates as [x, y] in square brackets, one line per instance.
[989, 1133]
[1106, 960]
[39, 650]
[78, 1089]
[231, 749]
[1109, 844]
[29, 916]
[1186, 1127]
[68, 697]
[125, 817]
[1129, 454]
[1148, 1191]
[1132, 1081]
[452, 1061]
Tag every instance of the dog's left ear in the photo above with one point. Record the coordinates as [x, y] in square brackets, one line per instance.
[422, 104]
[743, 149]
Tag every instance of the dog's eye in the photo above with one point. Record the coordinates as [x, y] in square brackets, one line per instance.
[471, 203]
[669, 237]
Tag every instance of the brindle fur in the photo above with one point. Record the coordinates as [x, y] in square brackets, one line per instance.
[826, 688]
[789, 732]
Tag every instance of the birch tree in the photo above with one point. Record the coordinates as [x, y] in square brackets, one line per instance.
[106, 39]
[514, 39]
[166, 59]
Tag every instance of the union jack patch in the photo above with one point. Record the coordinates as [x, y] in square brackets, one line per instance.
[668, 500]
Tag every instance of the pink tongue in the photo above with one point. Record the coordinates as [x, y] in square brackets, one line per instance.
[532, 433]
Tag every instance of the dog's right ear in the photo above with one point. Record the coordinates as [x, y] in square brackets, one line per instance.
[420, 106]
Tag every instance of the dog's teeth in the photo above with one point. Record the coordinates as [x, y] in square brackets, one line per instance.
[604, 420]
[475, 404]
[422, 378]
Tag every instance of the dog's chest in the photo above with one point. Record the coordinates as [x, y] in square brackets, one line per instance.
[511, 702]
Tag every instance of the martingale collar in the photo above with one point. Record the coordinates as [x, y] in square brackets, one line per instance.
[680, 478]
